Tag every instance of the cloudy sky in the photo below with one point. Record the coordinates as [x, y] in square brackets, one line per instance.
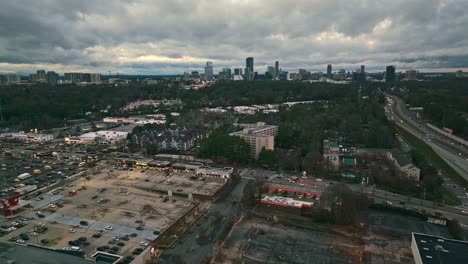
[173, 36]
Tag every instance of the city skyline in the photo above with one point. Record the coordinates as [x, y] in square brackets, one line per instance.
[166, 37]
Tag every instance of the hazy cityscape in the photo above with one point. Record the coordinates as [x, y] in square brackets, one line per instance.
[234, 132]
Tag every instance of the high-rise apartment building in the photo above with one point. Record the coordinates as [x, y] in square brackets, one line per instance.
[258, 136]
[209, 71]
[9, 78]
[52, 78]
[41, 76]
[390, 74]
[95, 77]
[73, 77]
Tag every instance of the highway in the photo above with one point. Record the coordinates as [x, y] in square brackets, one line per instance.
[453, 152]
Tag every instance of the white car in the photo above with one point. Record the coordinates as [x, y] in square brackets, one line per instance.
[144, 244]
[108, 227]
[72, 230]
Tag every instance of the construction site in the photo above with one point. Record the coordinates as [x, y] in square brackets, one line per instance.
[260, 241]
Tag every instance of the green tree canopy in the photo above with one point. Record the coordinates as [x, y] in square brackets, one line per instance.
[267, 158]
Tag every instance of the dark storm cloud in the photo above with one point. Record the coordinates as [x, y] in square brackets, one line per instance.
[149, 36]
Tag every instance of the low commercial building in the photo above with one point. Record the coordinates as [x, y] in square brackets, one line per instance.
[428, 249]
[258, 136]
[182, 166]
[223, 173]
[103, 137]
[26, 137]
[135, 120]
[15, 253]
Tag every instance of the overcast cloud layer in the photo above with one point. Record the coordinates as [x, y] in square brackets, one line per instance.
[173, 36]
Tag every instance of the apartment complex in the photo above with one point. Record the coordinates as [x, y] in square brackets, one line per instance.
[259, 136]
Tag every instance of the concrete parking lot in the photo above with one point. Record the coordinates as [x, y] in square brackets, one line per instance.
[108, 205]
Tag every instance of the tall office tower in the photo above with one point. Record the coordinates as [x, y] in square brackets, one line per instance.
[329, 71]
[249, 66]
[227, 73]
[209, 71]
[237, 71]
[277, 73]
[270, 73]
[52, 78]
[221, 75]
[41, 76]
[390, 74]
[363, 73]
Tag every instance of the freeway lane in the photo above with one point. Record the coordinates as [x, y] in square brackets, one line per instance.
[455, 154]
[385, 197]
[401, 113]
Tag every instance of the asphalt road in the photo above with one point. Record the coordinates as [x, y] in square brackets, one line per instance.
[454, 153]
[409, 119]
[190, 250]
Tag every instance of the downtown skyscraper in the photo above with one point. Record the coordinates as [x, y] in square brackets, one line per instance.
[209, 71]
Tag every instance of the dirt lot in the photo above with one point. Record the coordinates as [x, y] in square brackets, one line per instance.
[388, 236]
[256, 241]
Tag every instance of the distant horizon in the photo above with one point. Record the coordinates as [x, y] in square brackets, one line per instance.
[454, 70]
[165, 37]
